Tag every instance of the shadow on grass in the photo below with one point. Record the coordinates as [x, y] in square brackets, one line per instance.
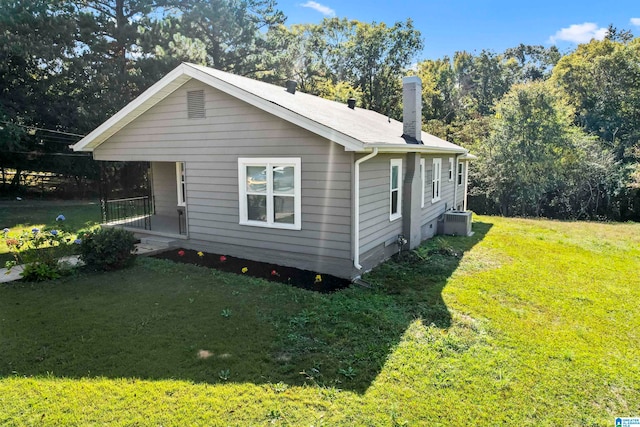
[161, 320]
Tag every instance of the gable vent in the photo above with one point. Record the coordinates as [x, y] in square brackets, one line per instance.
[195, 104]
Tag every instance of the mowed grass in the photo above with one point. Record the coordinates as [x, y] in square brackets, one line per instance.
[528, 322]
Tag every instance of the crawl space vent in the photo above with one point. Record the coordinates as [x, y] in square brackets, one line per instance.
[195, 104]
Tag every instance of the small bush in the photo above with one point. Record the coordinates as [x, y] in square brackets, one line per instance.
[107, 248]
[40, 272]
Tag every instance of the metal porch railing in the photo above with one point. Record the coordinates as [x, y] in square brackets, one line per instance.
[132, 212]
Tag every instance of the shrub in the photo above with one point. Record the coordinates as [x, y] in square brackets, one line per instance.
[107, 248]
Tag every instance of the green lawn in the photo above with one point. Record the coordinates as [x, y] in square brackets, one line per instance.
[528, 322]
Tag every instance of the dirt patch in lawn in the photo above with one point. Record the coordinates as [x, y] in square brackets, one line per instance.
[305, 279]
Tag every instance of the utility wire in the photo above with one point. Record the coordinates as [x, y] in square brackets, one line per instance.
[37, 153]
[43, 129]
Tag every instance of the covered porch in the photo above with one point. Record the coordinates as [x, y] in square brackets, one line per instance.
[137, 214]
[162, 212]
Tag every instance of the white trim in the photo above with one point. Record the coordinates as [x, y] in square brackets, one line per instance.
[451, 169]
[356, 208]
[455, 187]
[395, 163]
[460, 175]
[466, 185]
[414, 148]
[436, 180]
[183, 73]
[422, 178]
[180, 185]
[150, 97]
[268, 163]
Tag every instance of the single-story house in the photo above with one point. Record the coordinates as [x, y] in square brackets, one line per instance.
[254, 170]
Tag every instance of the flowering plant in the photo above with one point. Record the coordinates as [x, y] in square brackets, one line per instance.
[38, 251]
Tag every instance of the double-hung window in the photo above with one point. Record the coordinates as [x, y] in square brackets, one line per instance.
[436, 180]
[270, 192]
[451, 171]
[460, 173]
[422, 178]
[395, 189]
[180, 184]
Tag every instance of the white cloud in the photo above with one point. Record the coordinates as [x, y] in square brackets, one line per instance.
[579, 33]
[325, 10]
[635, 21]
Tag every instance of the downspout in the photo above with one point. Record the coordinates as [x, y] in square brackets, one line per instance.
[356, 208]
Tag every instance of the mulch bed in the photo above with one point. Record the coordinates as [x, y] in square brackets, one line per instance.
[305, 279]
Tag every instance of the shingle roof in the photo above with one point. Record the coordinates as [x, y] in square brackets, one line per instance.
[357, 130]
[367, 126]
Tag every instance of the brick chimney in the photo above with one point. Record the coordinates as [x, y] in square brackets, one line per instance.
[412, 107]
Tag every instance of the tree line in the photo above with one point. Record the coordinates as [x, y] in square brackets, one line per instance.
[556, 135]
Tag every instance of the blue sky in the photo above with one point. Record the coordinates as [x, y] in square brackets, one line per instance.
[448, 26]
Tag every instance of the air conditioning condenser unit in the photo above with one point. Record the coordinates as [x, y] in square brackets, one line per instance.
[457, 223]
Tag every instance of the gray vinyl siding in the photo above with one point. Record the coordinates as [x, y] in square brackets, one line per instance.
[165, 194]
[210, 148]
[433, 210]
[375, 228]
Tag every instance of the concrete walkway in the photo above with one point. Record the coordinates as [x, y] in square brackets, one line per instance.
[143, 249]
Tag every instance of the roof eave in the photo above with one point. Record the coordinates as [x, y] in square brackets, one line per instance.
[414, 148]
[180, 75]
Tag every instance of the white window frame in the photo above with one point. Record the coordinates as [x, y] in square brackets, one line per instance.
[269, 163]
[181, 183]
[422, 179]
[451, 169]
[395, 215]
[460, 173]
[436, 180]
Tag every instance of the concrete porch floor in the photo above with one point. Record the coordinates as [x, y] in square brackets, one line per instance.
[161, 225]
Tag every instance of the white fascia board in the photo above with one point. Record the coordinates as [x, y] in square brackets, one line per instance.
[156, 93]
[349, 143]
[415, 148]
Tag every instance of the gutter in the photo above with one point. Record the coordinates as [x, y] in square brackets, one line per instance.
[356, 208]
[415, 148]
